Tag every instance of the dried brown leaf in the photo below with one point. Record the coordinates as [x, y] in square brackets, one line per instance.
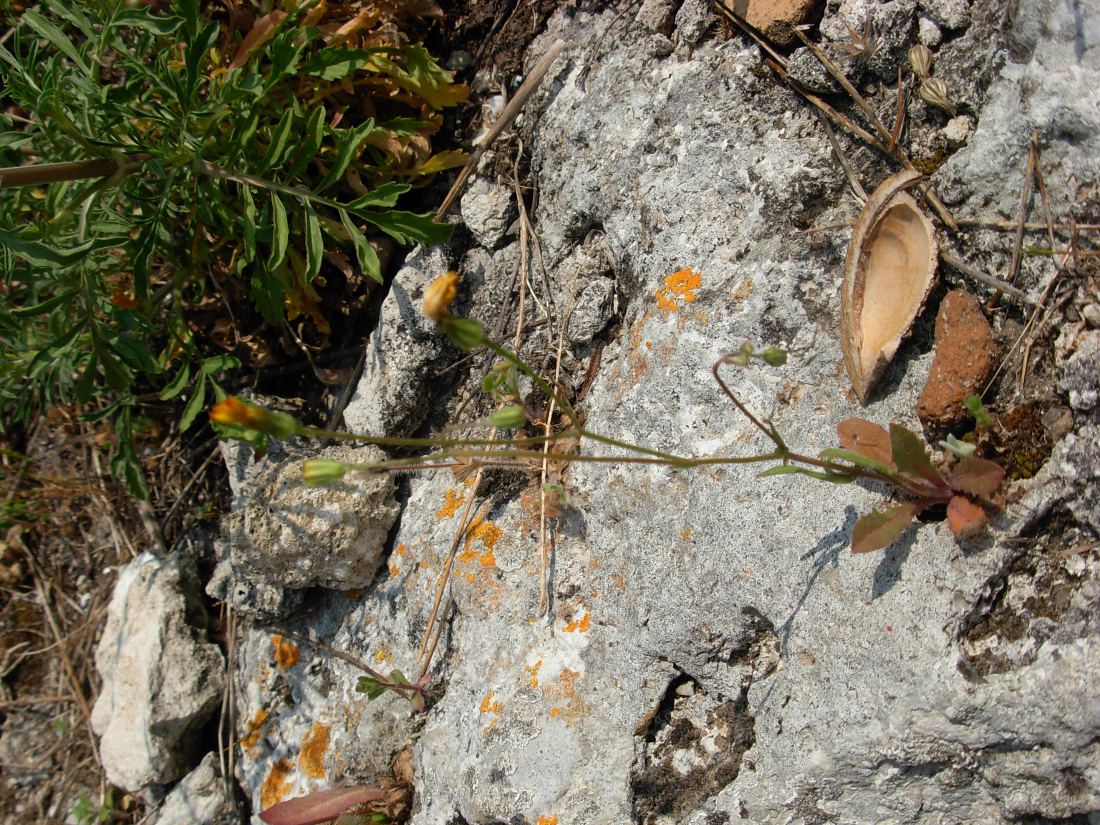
[866, 438]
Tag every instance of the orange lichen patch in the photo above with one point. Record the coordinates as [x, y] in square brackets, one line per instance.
[681, 285]
[452, 500]
[618, 580]
[491, 705]
[314, 745]
[383, 656]
[400, 549]
[580, 625]
[686, 534]
[555, 712]
[548, 820]
[533, 670]
[488, 534]
[394, 570]
[276, 784]
[286, 652]
[255, 729]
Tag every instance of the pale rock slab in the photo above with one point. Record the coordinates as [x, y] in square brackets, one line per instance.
[161, 679]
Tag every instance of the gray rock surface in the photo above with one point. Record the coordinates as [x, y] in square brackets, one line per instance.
[488, 209]
[403, 351]
[713, 652]
[657, 15]
[293, 536]
[199, 799]
[161, 679]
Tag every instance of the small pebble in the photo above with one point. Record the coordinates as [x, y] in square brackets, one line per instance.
[459, 59]
[957, 131]
[928, 32]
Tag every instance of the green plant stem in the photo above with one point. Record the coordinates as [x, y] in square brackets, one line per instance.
[386, 441]
[542, 384]
[672, 461]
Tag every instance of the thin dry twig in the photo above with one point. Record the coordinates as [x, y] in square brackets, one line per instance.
[996, 283]
[514, 107]
[986, 223]
[42, 588]
[464, 524]
[1021, 218]
[544, 549]
[588, 58]
[857, 187]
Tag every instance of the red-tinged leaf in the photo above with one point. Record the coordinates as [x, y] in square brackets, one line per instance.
[910, 457]
[977, 477]
[319, 807]
[964, 516]
[262, 30]
[866, 438]
[879, 529]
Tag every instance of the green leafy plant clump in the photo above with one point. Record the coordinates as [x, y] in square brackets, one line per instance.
[162, 162]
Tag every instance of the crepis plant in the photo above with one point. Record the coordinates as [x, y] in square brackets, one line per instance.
[896, 457]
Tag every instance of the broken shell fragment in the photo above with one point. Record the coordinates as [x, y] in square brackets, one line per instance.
[888, 273]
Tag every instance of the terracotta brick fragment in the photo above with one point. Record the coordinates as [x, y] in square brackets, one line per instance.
[964, 360]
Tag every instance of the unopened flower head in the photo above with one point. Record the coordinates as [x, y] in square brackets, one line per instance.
[509, 417]
[439, 296]
[237, 413]
[320, 471]
[465, 333]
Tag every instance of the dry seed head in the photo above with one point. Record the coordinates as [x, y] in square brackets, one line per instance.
[920, 61]
[934, 91]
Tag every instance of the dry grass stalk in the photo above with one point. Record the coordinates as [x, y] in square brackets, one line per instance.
[514, 107]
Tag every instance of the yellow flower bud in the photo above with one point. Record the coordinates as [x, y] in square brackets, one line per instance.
[439, 295]
[237, 413]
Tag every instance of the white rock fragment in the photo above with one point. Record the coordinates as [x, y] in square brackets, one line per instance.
[199, 799]
[161, 679]
[957, 131]
[488, 209]
[294, 536]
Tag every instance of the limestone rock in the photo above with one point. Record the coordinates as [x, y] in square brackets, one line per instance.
[1081, 373]
[488, 209]
[965, 353]
[712, 650]
[402, 353]
[199, 799]
[950, 14]
[161, 679]
[693, 19]
[292, 536]
[657, 15]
